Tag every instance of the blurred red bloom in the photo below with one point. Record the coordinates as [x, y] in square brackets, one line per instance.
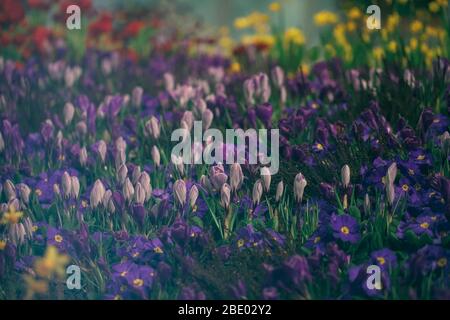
[84, 5]
[103, 24]
[132, 29]
[39, 4]
[11, 11]
[40, 37]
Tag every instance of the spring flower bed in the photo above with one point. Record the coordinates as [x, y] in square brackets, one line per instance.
[87, 177]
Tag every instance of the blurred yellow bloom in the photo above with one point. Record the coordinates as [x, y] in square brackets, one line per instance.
[416, 26]
[433, 6]
[275, 6]
[432, 31]
[351, 26]
[11, 216]
[235, 67]
[305, 68]
[255, 19]
[2, 244]
[241, 23]
[330, 50]
[325, 17]
[413, 43]
[392, 46]
[266, 40]
[393, 21]
[35, 286]
[294, 35]
[378, 53]
[443, 3]
[402, 1]
[354, 13]
[51, 263]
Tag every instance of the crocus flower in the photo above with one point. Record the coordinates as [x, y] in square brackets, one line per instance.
[266, 178]
[345, 175]
[257, 192]
[156, 156]
[97, 193]
[225, 197]
[179, 190]
[280, 190]
[299, 187]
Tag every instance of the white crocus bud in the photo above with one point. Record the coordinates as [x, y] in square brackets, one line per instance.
[102, 150]
[10, 189]
[2, 143]
[68, 113]
[266, 178]
[83, 156]
[128, 190]
[122, 174]
[106, 198]
[299, 187]
[257, 192]
[391, 173]
[152, 128]
[225, 195]
[56, 189]
[66, 184]
[75, 187]
[136, 96]
[135, 174]
[156, 157]
[188, 117]
[24, 192]
[193, 195]
[207, 118]
[345, 175]
[97, 193]
[139, 194]
[280, 190]
[179, 191]
[236, 176]
[144, 180]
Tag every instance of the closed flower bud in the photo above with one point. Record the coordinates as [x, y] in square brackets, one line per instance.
[56, 189]
[24, 192]
[205, 182]
[217, 176]
[2, 143]
[10, 189]
[135, 174]
[144, 180]
[179, 190]
[299, 187]
[81, 128]
[139, 194]
[391, 173]
[97, 193]
[177, 161]
[278, 76]
[122, 174]
[249, 91]
[121, 144]
[169, 81]
[75, 191]
[152, 128]
[106, 198]
[128, 190]
[102, 150]
[266, 178]
[225, 196]
[66, 184]
[390, 193]
[257, 192]
[120, 158]
[156, 157]
[68, 113]
[280, 190]
[366, 203]
[188, 117]
[136, 96]
[236, 176]
[200, 107]
[193, 195]
[345, 176]
[207, 118]
[83, 156]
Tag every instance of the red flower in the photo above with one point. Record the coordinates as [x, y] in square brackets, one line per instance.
[39, 4]
[103, 24]
[41, 37]
[11, 11]
[84, 5]
[132, 29]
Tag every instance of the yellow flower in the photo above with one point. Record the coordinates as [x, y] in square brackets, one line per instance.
[354, 13]
[413, 43]
[378, 53]
[242, 23]
[443, 3]
[433, 7]
[138, 282]
[351, 26]
[402, 1]
[416, 26]
[35, 286]
[235, 67]
[330, 50]
[393, 21]
[51, 263]
[275, 6]
[325, 17]
[11, 216]
[392, 46]
[305, 68]
[2, 244]
[294, 35]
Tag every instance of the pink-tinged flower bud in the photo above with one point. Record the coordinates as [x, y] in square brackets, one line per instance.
[207, 118]
[249, 91]
[28, 224]
[56, 189]
[217, 176]
[299, 187]
[120, 158]
[122, 174]
[17, 233]
[2, 143]
[152, 128]
[188, 117]
[390, 193]
[83, 156]
[280, 190]
[139, 194]
[169, 82]
[68, 112]
[135, 174]
[97, 193]
[75, 187]
[102, 150]
[266, 178]
[257, 192]
[179, 191]
[136, 97]
[24, 192]
[366, 203]
[264, 87]
[225, 195]
[177, 162]
[66, 184]
[144, 180]
[9, 189]
[128, 190]
[278, 77]
[106, 197]
[121, 144]
[81, 128]
[200, 106]
[156, 157]
[391, 173]
[206, 183]
[236, 176]
[106, 66]
[345, 175]
[59, 139]
[193, 195]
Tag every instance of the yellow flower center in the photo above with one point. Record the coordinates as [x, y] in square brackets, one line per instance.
[420, 157]
[316, 239]
[138, 282]
[442, 262]
[84, 203]
[135, 254]
[411, 172]
[381, 260]
[58, 238]
[424, 225]
[240, 243]
[123, 273]
[405, 187]
[158, 250]
[345, 230]
[319, 146]
[38, 192]
[2, 244]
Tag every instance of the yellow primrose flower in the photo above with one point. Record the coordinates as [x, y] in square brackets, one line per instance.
[2, 244]
[354, 13]
[35, 286]
[235, 67]
[305, 68]
[392, 22]
[294, 35]
[275, 6]
[443, 3]
[392, 46]
[378, 53]
[416, 26]
[323, 18]
[351, 26]
[51, 263]
[413, 43]
[433, 6]
[11, 216]
[242, 23]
